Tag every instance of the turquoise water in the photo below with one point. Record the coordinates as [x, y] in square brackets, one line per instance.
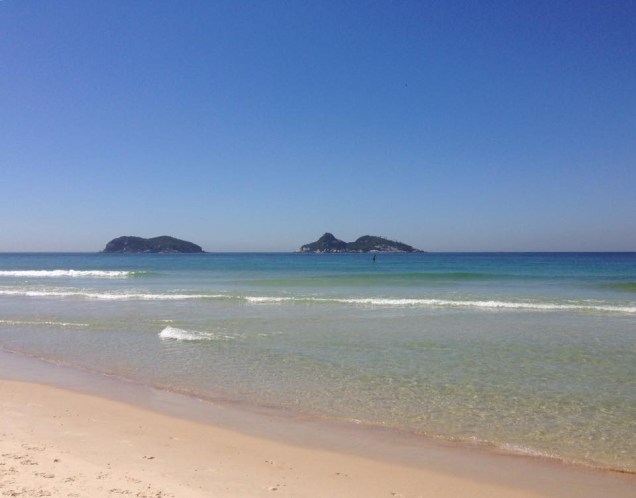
[532, 353]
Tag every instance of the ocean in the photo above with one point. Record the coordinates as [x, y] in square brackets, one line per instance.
[531, 353]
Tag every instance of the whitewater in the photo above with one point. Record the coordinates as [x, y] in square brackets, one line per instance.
[530, 353]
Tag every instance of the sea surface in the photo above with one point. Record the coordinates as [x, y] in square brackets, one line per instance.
[531, 353]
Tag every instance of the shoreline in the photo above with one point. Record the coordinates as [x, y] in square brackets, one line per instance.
[376, 462]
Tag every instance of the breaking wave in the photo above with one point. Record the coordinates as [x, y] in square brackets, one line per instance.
[178, 334]
[389, 302]
[581, 306]
[43, 322]
[68, 273]
[493, 305]
[110, 296]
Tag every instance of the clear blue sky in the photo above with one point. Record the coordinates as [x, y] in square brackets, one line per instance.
[259, 125]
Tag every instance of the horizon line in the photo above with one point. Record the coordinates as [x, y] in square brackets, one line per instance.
[331, 253]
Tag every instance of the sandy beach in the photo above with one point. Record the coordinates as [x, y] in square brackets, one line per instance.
[57, 442]
[378, 249]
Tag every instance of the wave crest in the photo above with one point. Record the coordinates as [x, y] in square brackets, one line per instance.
[108, 296]
[68, 273]
[44, 322]
[449, 303]
[178, 334]
[581, 306]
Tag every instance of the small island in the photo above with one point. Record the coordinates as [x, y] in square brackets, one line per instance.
[367, 243]
[162, 244]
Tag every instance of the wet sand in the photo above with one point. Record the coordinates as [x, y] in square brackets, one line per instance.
[142, 442]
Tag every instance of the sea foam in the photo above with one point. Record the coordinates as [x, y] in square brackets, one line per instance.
[377, 302]
[178, 334]
[67, 273]
[270, 300]
[449, 303]
[491, 304]
[107, 296]
[43, 322]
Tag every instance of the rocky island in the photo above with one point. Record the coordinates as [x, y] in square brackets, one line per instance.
[163, 244]
[367, 243]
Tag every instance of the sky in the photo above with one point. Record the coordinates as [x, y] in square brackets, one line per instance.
[260, 125]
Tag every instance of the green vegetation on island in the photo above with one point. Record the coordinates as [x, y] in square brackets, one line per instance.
[326, 243]
[367, 243]
[162, 244]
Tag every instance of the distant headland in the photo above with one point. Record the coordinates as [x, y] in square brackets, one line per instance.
[163, 244]
[366, 243]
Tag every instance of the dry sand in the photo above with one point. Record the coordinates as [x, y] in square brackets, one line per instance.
[56, 442]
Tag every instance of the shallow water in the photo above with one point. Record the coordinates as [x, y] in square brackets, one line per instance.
[529, 352]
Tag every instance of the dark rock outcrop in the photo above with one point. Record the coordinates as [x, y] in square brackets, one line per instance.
[366, 243]
[371, 243]
[326, 243]
[163, 244]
